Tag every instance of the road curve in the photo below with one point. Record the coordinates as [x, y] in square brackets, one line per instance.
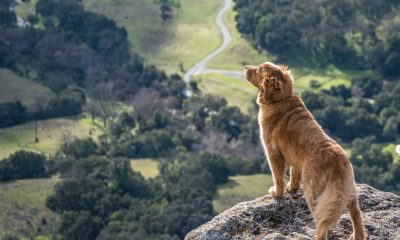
[201, 66]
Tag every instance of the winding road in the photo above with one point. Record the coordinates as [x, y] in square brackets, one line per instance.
[201, 66]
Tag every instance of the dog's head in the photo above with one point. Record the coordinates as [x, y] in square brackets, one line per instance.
[274, 82]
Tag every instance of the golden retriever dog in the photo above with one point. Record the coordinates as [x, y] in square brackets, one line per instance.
[290, 135]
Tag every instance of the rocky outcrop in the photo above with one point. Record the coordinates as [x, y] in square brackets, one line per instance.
[289, 218]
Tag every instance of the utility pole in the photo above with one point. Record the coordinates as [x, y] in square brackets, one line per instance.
[36, 132]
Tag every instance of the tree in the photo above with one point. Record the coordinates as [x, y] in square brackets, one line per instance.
[7, 17]
[229, 120]
[12, 113]
[33, 20]
[99, 103]
[374, 166]
[128, 181]
[367, 86]
[124, 123]
[45, 7]
[22, 165]
[217, 166]
[386, 56]
[80, 225]
[79, 148]
[166, 10]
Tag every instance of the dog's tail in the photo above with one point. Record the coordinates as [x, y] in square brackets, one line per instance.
[339, 193]
[330, 205]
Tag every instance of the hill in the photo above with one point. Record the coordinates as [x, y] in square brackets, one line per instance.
[165, 44]
[189, 36]
[14, 87]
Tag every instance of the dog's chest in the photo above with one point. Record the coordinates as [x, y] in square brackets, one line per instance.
[267, 121]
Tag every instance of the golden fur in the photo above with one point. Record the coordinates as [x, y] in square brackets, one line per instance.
[290, 135]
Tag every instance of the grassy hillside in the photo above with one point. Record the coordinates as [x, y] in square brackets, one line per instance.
[241, 188]
[240, 52]
[14, 87]
[51, 133]
[186, 39]
[24, 9]
[147, 167]
[237, 92]
[23, 211]
[327, 77]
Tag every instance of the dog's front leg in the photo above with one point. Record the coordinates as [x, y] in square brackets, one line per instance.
[277, 166]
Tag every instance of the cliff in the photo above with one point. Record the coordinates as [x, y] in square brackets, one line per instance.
[289, 218]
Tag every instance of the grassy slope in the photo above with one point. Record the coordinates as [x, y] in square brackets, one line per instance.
[240, 52]
[14, 87]
[237, 93]
[241, 188]
[23, 10]
[23, 210]
[147, 167]
[327, 77]
[51, 133]
[186, 39]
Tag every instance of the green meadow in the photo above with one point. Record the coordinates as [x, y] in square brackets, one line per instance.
[186, 39]
[240, 52]
[241, 188]
[147, 167]
[23, 211]
[51, 133]
[237, 92]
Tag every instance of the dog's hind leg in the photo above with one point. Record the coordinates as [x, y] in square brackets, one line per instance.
[310, 195]
[295, 178]
[356, 219]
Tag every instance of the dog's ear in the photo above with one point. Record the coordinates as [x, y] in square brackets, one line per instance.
[276, 83]
[286, 74]
[276, 74]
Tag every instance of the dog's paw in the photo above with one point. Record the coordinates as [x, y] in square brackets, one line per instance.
[291, 189]
[274, 193]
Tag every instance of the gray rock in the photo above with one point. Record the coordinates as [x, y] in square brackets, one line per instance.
[289, 218]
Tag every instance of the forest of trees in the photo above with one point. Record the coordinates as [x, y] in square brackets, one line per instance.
[101, 197]
[354, 34]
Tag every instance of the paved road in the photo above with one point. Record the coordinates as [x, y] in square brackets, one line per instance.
[201, 66]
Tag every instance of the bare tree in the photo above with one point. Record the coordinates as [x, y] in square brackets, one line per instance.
[99, 102]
